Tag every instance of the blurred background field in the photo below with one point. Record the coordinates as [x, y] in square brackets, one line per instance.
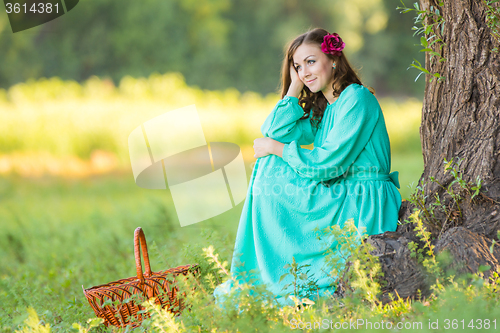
[62, 128]
[72, 90]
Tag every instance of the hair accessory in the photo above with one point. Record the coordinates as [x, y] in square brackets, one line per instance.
[332, 44]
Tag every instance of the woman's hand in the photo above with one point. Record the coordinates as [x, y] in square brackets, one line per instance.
[296, 84]
[267, 146]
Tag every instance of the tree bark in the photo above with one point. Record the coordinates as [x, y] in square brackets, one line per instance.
[460, 119]
[460, 115]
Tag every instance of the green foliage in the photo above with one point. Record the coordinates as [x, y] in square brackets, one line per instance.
[351, 265]
[422, 27]
[213, 276]
[33, 324]
[64, 118]
[444, 283]
[161, 320]
[91, 323]
[61, 234]
[304, 286]
[472, 189]
[215, 44]
[250, 308]
[445, 209]
[445, 287]
[493, 20]
[425, 255]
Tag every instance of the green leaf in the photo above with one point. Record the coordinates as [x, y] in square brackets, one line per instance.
[94, 322]
[423, 41]
[492, 245]
[434, 41]
[307, 301]
[483, 268]
[77, 326]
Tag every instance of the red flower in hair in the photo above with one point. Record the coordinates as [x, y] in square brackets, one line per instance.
[332, 44]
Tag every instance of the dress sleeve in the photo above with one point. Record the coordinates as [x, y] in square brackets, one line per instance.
[283, 123]
[353, 125]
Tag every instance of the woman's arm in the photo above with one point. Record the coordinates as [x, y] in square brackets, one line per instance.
[266, 146]
[283, 123]
[353, 126]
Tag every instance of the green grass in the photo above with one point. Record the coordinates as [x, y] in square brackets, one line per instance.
[58, 235]
[410, 167]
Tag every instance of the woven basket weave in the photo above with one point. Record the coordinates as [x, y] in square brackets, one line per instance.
[150, 284]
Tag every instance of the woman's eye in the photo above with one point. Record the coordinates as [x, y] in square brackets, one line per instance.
[297, 68]
[310, 61]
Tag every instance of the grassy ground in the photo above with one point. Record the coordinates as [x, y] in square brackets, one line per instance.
[410, 167]
[69, 204]
[61, 234]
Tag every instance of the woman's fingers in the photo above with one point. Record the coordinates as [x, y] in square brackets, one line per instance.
[293, 74]
[296, 85]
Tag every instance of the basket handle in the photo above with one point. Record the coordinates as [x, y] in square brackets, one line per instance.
[139, 237]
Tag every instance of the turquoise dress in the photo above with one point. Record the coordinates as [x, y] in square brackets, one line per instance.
[346, 176]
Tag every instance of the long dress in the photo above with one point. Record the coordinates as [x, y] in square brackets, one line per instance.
[346, 176]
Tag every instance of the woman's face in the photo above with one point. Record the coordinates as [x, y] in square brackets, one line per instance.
[314, 68]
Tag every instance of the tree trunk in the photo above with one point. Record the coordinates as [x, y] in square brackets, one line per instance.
[460, 119]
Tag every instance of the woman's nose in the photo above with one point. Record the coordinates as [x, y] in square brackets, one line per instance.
[306, 72]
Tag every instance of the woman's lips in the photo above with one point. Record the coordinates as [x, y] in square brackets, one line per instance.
[309, 82]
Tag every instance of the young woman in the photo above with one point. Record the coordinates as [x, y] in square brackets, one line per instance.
[294, 190]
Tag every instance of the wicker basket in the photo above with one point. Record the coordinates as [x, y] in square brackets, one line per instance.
[150, 284]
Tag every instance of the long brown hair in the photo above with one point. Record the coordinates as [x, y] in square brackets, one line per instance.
[344, 75]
